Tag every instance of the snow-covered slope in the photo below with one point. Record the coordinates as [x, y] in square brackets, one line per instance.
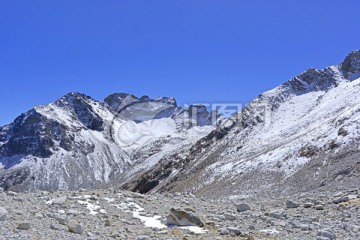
[299, 136]
[77, 141]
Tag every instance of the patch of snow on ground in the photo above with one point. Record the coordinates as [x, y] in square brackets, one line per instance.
[151, 222]
[194, 229]
[109, 199]
[269, 231]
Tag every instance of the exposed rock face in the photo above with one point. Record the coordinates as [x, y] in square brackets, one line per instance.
[32, 134]
[351, 64]
[129, 107]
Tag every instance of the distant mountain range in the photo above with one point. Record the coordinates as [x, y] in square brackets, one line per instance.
[300, 136]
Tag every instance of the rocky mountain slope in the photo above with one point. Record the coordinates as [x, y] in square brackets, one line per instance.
[77, 141]
[302, 136]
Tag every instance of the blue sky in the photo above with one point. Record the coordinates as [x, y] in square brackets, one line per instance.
[194, 50]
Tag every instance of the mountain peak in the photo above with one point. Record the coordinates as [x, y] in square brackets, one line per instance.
[119, 101]
[351, 64]
[74, 95]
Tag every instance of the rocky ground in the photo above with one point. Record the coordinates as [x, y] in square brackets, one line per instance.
[113, 214]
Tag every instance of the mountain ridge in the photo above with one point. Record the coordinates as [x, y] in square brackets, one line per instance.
[151, 145]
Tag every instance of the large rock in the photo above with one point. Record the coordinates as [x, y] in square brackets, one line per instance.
[59, 201]
[278, 214]
[24, 226]
[291, 204]
[229, 231]
[75, 227]
[143, 237]
[234, 230]
[61, 219]
[183, 218]
[242, 207]
[3, 213]
[326, 234]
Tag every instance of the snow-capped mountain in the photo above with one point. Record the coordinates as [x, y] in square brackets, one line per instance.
[77, 141]
[300, 136]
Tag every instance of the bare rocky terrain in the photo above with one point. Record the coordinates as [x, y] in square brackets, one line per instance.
[118, 214]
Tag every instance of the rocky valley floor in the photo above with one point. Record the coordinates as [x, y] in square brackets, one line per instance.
[114, 214]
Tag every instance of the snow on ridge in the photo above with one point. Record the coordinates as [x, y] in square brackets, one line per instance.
[300, 121]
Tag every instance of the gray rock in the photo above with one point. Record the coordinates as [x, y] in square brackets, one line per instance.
[224, 231]
[251, 227]
[75, 227]
[338, 200]
[72, 212]
[24, 226]
[292, 204]
[277, 214]
[242, 207]
[352, 196]
[183, 218]
[308, 205]
[59, 201]
[94, 198]
[3, 214]
[319, 207]
[10, 193]
[229, 216]
[345, 199]
[305, 227]
[143, 237]
[116, 235]
[233, 230]
[327, 234]
[60, 219]
[55, 226]
[107, 223]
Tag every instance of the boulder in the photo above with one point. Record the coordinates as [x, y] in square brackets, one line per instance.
[59, 201]
[183, 218]
[242, 207]
[3, 214]
[276, 214]
[24, 226]
[233, 230]
[75, 227]
[292, 204]
[229, 231]
[327, 234]
[55, 226]
[229, 216]
[308, 205]
[143, 237]
[319, 207]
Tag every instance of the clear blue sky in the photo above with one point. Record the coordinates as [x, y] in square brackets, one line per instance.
[194, 50]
